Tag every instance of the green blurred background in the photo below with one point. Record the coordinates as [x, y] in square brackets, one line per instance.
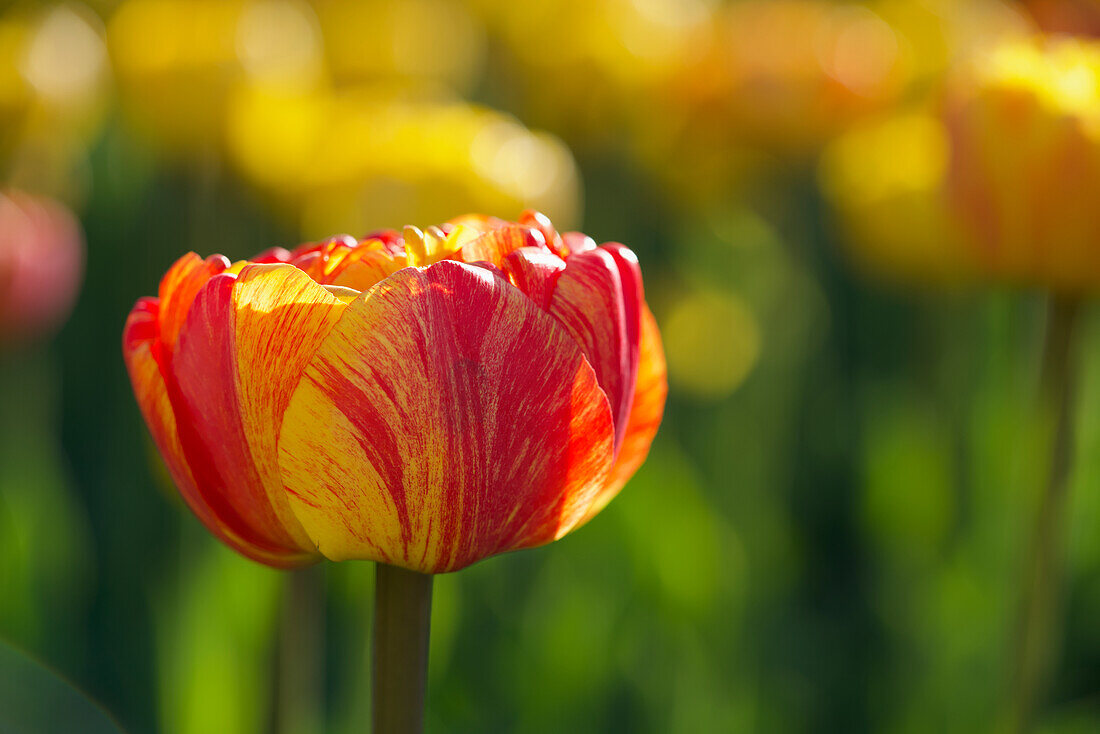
[828, 532]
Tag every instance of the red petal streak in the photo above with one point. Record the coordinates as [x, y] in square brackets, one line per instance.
[445, 419]
[141, 325]
[151, 392]
[630, 275]
[645, 413]
[597, 300]
[178, 288]
[240, 355]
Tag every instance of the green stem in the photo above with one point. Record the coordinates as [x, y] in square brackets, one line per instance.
[1036, 644]
[402, 617]
[299, 677]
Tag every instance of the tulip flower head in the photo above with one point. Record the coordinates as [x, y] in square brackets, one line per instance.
[1024, 132]
[41, 263]
[421, 399]
[886, 179]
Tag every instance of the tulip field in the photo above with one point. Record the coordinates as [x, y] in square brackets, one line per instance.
[633, 366]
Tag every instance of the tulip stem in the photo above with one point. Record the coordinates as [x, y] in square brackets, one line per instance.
[1036, 644]
[402, 617]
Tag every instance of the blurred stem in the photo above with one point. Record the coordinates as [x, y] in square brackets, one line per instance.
[299, 677]
[402, 616]
[1036, 644]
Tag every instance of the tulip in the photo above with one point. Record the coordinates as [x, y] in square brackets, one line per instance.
[41, 263]
[886, 180]
[1024, 128]
[1023, 125]
[758, 76]
[424, 399]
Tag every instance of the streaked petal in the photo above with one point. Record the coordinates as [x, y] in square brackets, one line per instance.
[151, 392]
[178, 288]
[366, 267]
[645, 413]
[240, 356]
[495, 245]
[535, 271]
[578, 242]
[272, 255]
[541, 222]
[598, 298]
[445, 419]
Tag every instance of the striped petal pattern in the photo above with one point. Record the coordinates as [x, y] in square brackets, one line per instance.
[426, 400]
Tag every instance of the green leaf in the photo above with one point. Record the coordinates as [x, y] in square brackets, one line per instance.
[35, 700]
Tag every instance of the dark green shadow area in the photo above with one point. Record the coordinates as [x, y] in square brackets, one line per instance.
[35, 700]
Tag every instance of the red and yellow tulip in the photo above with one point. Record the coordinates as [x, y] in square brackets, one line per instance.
[422, 399]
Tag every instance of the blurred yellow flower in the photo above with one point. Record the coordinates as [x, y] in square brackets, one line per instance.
[53, 76]
[771, 82]
[933, 35]
[712, 342]
[346, 161]
[788, 74]
[886, 180]
[585, 68]
[177, 61]
[427, 41]
[180, 62]
[1024, 130]
[339, 110]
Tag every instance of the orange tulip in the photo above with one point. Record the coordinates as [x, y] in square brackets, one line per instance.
[1023, 128]
[424, 399]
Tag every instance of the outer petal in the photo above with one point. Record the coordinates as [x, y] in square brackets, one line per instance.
[598, 298]
[645, 413]
[272, 255]
[445, 419]
[178, 288]
[240, 355]
[151, 391]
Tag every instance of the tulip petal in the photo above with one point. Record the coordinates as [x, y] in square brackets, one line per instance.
[178, 288]
[645, 413]
[534, 271]
[541, 222]
[445, 419]
[495, 245]
[240, 355]
[367, 267]
[151, 391]
[598, 298]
